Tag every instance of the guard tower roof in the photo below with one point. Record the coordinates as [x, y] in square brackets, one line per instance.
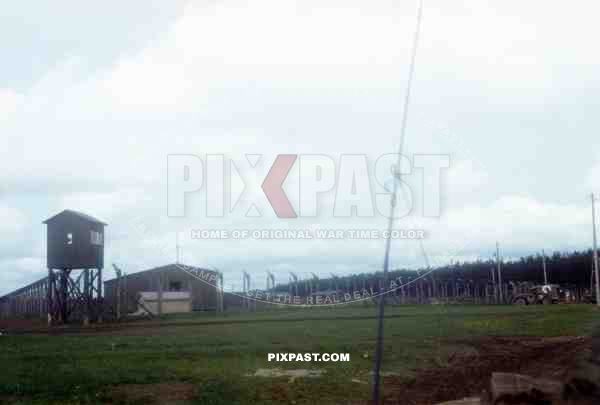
[81, 215]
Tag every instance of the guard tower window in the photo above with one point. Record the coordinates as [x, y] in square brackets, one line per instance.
[69, 238]
[175, 286]
[96, 238]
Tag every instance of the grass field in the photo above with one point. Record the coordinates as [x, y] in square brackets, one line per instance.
[205, 359]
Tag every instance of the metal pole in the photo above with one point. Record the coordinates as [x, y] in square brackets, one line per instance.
[595, 250]
[499, 264]
[119, 295]
[176, 247]
[494, 289]
[125, 293]
[160, 294]
[544, 266]
[219, 291]
[219, 287]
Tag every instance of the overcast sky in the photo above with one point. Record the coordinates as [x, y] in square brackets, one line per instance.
[94, 97]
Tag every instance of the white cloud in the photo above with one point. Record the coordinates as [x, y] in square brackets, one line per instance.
[357, 45]
[464, 175]
[97, 131]
[12, 220]
[9, 103]
[592, 182]
[16, 273]
[105, 206]
[522, 222]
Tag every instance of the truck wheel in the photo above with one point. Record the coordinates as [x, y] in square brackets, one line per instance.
[520, 301]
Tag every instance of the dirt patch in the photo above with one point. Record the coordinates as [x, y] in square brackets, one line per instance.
[152, 393]
[279, 372]
[469, 371]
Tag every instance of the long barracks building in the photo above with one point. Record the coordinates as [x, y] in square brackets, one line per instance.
[200, 283]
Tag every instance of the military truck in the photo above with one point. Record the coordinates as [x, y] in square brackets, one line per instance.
[540, 294]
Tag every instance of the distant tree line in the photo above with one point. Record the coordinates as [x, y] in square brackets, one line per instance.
[564, 268]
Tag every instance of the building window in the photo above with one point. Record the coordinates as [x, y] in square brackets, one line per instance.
[96, 238]
[69, 238]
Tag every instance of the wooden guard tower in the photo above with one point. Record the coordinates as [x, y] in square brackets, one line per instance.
[75, 258]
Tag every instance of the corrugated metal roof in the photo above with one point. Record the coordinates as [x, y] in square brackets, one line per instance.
[167, 267]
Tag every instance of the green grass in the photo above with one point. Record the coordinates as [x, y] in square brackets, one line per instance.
[216, 353]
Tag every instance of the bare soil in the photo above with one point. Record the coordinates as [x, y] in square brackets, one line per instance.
[469, 371]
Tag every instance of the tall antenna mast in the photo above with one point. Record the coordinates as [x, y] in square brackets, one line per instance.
[386, 261]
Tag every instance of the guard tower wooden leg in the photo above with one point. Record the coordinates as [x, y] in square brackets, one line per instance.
[99, 302]
[49, 303]
[86, 294]
[64, 296]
